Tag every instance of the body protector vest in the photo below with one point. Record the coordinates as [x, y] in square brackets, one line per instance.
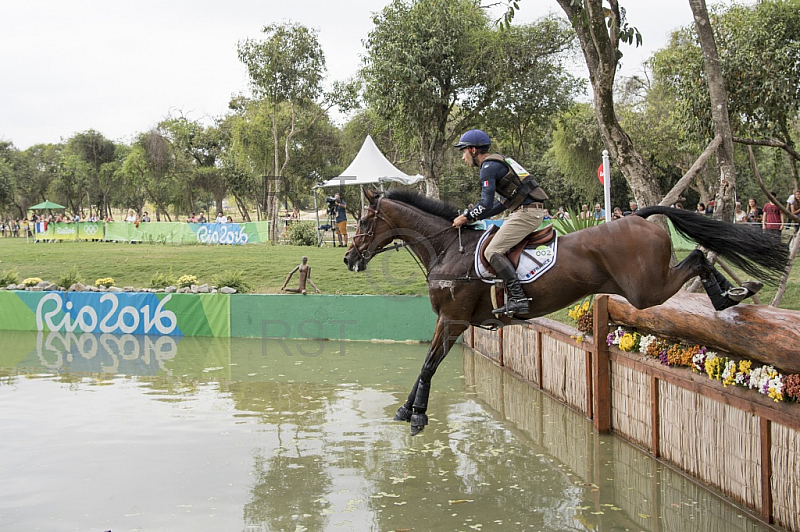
[513, 187]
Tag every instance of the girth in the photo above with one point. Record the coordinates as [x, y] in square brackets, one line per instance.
[538, 238]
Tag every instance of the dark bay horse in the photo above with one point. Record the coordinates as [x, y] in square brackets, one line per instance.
[629, 257]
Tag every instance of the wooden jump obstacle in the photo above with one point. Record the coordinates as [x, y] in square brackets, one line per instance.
[735, 440]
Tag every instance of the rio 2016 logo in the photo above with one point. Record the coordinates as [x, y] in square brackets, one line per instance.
[221, 234]
[107, 318]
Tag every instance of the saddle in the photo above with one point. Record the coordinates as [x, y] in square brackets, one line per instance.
[540, 237]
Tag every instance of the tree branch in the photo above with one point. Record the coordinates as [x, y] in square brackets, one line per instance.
[763, 187]
[673, 195]
[774, 143]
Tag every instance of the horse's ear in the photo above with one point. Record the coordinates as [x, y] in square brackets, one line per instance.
[372, 195]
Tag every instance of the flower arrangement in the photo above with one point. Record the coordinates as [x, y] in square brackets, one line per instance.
[583, 315]
[185, 281]
[31, 281]
[104, 281]
[765, 379]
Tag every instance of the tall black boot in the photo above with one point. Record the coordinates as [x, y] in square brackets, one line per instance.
[718, 289]
[517, 300]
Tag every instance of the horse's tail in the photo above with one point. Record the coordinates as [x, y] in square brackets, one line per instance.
[759, 254]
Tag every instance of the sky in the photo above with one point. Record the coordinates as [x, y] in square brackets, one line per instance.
[120, 67]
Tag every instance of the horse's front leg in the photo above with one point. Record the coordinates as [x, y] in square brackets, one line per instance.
[415, 407]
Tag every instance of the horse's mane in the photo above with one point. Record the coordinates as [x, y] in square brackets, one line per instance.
[423, 203]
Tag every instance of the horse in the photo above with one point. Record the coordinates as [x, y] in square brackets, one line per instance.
[629, 257]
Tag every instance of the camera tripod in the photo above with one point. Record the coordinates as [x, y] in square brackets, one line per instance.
[329, 226]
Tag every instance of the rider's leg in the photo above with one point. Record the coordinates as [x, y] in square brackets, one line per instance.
[517, 226]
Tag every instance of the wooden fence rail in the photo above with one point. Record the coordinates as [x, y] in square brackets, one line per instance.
[734, 439]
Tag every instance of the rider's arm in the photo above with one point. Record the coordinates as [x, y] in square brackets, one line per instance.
[487, 207]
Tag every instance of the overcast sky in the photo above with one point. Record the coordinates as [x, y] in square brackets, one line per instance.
[120, 67]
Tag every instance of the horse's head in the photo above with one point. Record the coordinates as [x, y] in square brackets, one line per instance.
[374, 231]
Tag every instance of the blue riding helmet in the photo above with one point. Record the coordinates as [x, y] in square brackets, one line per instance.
[473, 137]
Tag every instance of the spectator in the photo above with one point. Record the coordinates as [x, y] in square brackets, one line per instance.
[202, 218]
[710, 208]
[562, 214]
[145, 216]
[220, 218]
[633, 206]
[701, 208]
[794, 208]
[599, 212]
[295, 214]
[585, 214]
[617, 213]
[773, 218]
[753, 211]
[131, 218]
[229, 220]
[192, 219]
[341, 219]
[739, 214]
[547, 215]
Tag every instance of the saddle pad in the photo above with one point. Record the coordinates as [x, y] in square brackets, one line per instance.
[532, 263]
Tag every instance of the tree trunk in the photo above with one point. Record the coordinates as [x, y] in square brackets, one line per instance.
[599, 41]
[739, 330]
[723, 201]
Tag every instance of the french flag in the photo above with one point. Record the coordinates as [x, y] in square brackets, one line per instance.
[41, 227]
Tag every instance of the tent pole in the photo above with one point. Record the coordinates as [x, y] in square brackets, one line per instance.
[316, 213]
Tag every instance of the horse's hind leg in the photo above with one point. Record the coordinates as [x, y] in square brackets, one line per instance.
[415, 407]
[721, 292]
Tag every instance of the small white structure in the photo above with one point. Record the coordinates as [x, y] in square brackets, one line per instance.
[369, 167]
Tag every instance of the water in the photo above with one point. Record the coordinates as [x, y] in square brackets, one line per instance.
[132, 433]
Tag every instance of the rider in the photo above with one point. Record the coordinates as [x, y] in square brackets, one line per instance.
[522, 197]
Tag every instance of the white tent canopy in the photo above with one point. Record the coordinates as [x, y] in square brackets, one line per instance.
[370, 167]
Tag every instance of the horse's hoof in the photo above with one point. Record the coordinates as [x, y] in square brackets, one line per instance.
[416, 429]
[752, 287]
[403, 414]
[419, 420]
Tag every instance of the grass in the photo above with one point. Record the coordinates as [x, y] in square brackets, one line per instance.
[263, 266]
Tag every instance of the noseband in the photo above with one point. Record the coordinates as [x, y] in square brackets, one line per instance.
[366, 255]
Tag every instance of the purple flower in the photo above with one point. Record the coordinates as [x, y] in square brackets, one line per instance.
[663, 358]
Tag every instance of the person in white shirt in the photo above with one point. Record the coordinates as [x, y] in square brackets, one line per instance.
[220, 218]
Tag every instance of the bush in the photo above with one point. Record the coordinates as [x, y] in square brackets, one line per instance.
[162, 280]
[302, 234]
[233, 280]
[31, 281]
[9, 277]
[69, 278]
[105, 281]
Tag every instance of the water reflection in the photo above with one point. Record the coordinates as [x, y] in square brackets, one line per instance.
[224, 434]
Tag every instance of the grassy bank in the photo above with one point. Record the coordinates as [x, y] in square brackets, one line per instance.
[262, 265]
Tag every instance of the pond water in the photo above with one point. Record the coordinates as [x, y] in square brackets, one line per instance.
[103, 432]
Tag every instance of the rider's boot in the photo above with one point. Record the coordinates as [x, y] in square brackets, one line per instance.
[517, 300]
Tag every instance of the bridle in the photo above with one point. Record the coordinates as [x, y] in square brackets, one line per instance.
[367, 255]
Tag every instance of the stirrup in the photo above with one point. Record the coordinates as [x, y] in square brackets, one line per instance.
[523, 307]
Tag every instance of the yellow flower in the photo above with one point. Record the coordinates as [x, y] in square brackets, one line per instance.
[627, 342]
[744, 366]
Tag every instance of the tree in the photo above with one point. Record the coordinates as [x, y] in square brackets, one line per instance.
[432, 66]
[600, 32]
[286, 68]
[758, 57]
[85, 155]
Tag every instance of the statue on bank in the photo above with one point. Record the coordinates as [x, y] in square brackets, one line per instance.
[305, 276]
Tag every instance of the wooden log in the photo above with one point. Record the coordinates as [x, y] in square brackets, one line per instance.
[758, 332]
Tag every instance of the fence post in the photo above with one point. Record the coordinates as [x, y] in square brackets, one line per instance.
[601, 367]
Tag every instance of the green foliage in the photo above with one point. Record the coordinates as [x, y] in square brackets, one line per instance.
[233, 279]
[574, 222]
[433, 66]
[302, 234]
[69, 278]
[8, 277]
[161, 280]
